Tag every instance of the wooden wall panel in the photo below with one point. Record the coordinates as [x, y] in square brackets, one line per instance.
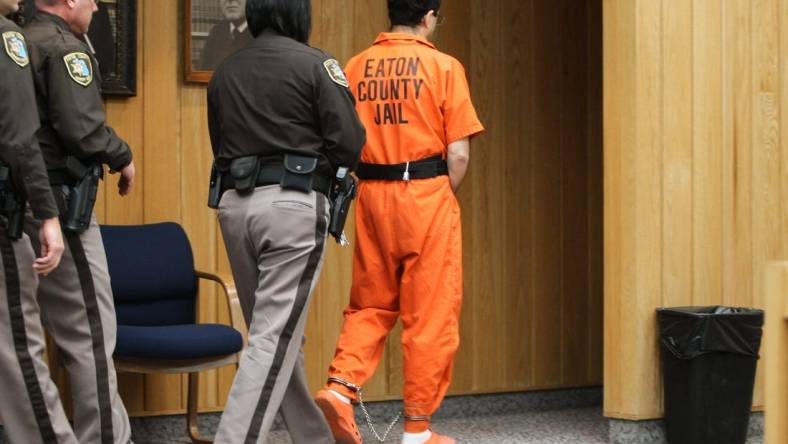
[518, 52]
[127, 117]
[783, 61]
[618, 245]
[767, 199]
[776, 347]
[737, 155]
[574, 254]
[594, 187]
[531, 203]
[197, 219]
[694, 177]
[545, 185]
[676, 138]
[482, 247]
[707, 96]
[161, 187]
[648, 194]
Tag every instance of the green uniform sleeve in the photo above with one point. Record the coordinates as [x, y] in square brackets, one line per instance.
[77, 112]
[18, 145]
[343, 132]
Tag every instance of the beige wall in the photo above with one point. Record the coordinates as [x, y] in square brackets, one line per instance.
[531, 204]
[696, 155]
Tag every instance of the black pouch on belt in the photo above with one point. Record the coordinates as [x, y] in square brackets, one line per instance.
[298, 173]
[244, 171]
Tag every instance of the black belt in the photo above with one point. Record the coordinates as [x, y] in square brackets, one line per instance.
[420, 169]
[60, 178]
[272, 175]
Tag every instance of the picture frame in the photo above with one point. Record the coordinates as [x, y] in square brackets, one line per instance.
[212, 30]
[113, 38]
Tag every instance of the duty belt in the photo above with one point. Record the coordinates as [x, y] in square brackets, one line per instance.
[72, 172]
[272, 175]
[58, 177]
[420, 169]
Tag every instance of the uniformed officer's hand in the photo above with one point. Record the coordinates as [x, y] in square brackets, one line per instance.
[51, 239]
[126, 181]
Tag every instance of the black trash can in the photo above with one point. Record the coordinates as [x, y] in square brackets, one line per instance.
[709, 355]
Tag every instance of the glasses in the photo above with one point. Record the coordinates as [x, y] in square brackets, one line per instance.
[439, 19]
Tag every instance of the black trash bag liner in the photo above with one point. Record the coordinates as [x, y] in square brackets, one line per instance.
[709, 360]
[689, 332]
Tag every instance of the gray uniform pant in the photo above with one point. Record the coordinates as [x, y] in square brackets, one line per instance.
[30, 407]
[78, 312]
[275, 240]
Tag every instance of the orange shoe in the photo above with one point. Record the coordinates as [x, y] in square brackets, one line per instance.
[439, 439]
[340, 417]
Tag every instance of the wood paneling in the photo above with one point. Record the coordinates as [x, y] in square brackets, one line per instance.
[694, 173]
[531, 203]
[776, 347]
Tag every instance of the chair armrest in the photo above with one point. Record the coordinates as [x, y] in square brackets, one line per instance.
[228, 285]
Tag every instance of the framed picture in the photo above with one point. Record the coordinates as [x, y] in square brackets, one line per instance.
[213, 29]
[113, 38]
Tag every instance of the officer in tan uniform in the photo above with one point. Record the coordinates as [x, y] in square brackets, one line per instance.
[282, 123]
[76, 299]
[30, 408]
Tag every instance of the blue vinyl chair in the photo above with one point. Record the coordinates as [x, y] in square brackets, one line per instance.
[155, 287]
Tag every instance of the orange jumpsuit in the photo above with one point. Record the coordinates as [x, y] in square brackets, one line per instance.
[413, 101]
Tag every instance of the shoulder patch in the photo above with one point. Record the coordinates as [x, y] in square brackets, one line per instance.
[79, 67]
[335, 72]
[16, 48]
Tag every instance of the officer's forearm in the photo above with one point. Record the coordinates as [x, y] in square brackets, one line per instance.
[101, 146]
[345, 155]
[458, 158]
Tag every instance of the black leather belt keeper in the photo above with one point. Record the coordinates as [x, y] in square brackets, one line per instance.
[420, 169]
[272, 175]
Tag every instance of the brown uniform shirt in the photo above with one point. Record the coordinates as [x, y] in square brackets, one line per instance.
[279, 96]
[68, 93]
[19, 121]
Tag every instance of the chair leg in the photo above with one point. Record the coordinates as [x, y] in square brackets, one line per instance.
[191, 411]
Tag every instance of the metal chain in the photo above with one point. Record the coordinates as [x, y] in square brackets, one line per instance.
[371, 423]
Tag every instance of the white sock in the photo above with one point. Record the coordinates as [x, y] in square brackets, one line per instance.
[340, 396]
[416, 438]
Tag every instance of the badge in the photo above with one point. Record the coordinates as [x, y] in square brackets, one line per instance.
[335, 72]
[79, 67]
[15, 47]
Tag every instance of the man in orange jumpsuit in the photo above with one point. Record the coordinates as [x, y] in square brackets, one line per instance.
[416, 106]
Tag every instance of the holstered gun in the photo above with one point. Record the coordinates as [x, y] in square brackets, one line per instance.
[12, 205]
[342, 194]
[215, 187]
[80, 194]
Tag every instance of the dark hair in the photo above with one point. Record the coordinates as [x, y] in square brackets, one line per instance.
[410, 12]
[291, 18]
[19, 16]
